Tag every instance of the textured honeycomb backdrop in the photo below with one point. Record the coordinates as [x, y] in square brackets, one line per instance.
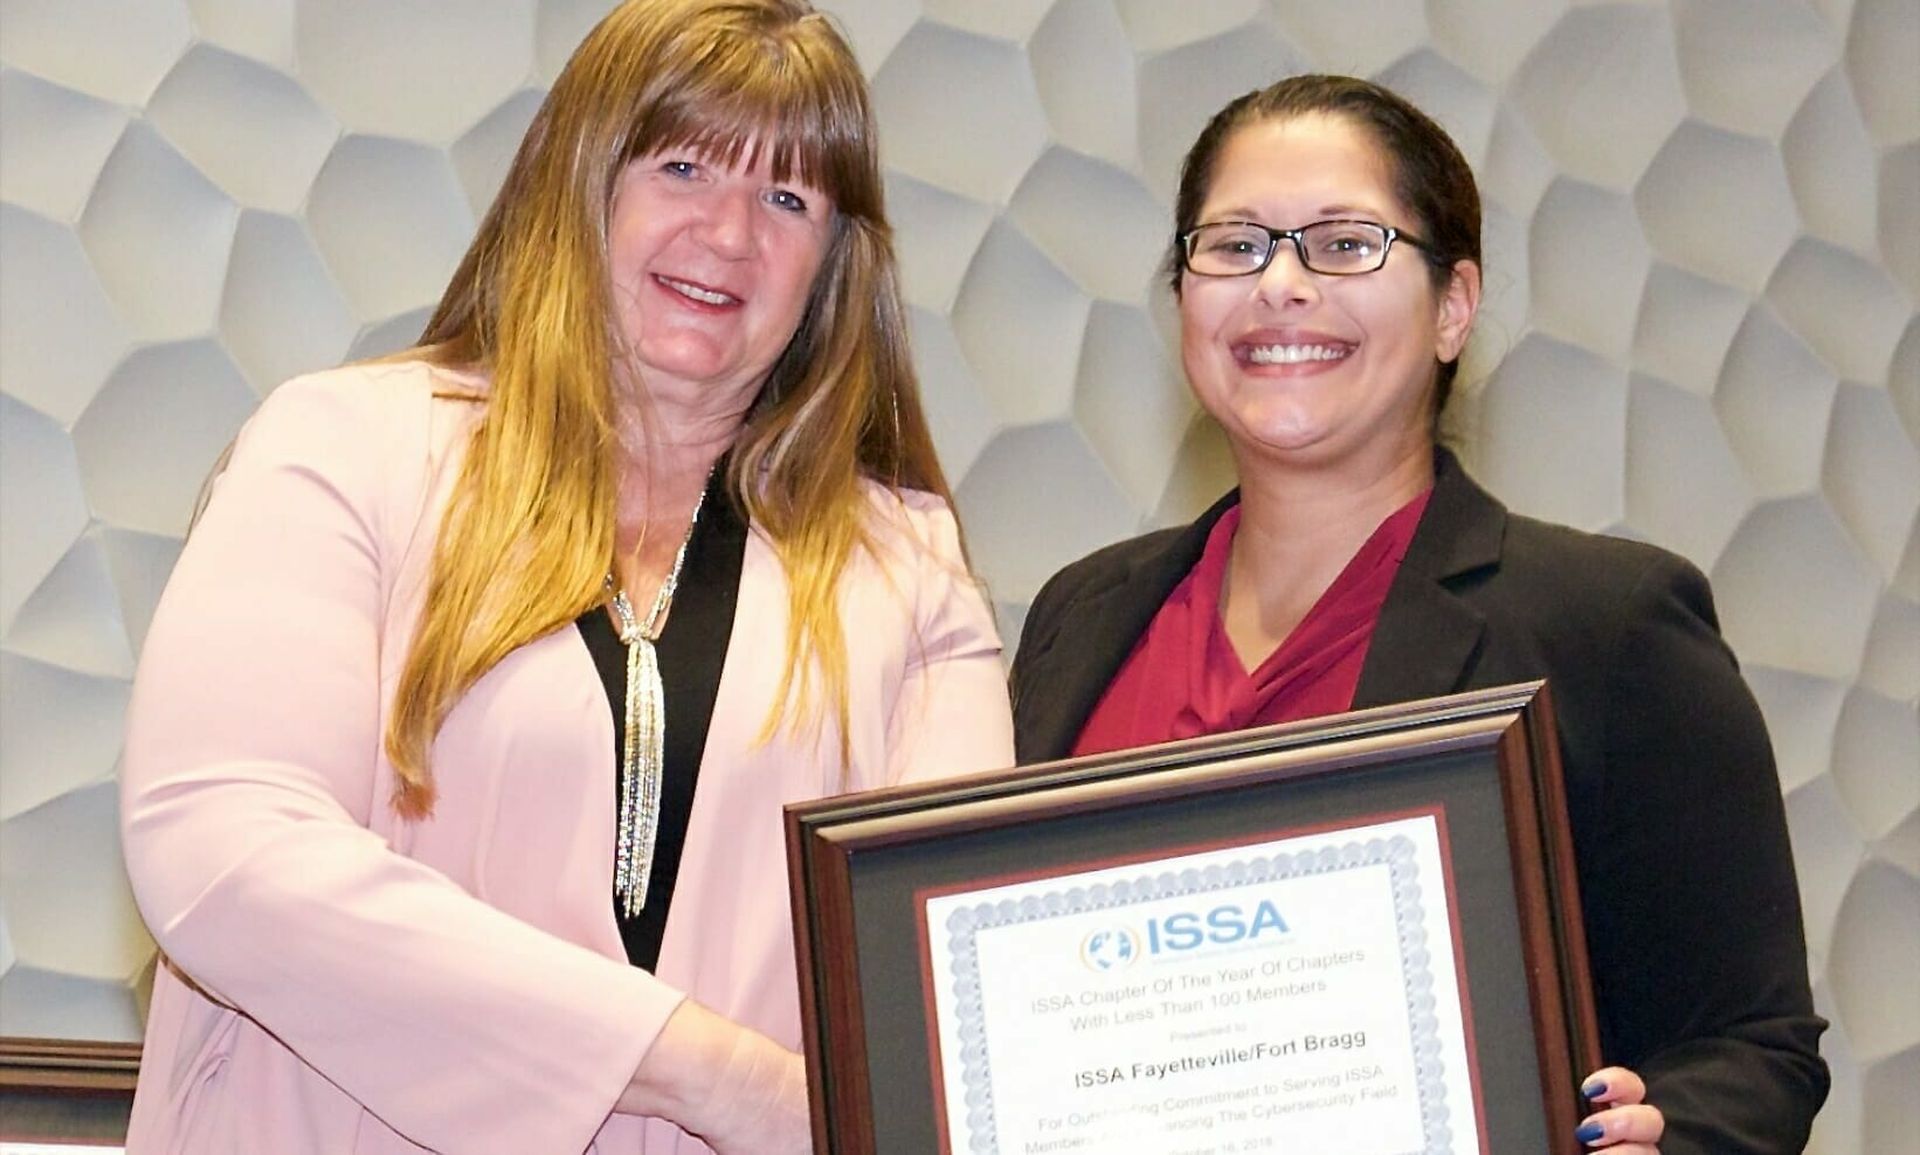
[1703, 225]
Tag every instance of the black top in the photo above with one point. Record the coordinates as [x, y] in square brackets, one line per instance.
[692, 648]
[1692, 915]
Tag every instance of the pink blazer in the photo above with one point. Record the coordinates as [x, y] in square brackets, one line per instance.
[338, 981]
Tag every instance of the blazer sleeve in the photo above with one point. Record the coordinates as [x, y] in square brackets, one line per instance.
[1696, 938]
[247, 792]
[951, 715]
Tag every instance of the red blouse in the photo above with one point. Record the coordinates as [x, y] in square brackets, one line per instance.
[1184, 678]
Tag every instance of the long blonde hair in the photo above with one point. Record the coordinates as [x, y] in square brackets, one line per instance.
[531, 305]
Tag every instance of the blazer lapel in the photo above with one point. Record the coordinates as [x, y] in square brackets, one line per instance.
[1422, 644]
[1427, 634]
[1056, 688]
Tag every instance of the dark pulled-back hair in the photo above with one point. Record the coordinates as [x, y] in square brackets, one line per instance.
[1425, 169]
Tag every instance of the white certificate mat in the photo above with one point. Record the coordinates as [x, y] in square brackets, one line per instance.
[1300, 993]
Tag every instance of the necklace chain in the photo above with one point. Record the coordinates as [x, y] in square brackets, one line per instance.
[630, 627]
[643, 742]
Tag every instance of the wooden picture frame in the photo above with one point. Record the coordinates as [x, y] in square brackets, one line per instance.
[66, 1089]
[1482, 768]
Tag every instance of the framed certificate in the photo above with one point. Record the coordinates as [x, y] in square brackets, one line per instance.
[1358, 933]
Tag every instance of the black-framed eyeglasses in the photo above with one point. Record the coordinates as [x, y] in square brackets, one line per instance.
[1340, 248]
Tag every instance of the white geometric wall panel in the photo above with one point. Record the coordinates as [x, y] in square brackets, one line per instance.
[1703, 264]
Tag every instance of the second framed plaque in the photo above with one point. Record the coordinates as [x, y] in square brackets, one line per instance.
[1358, 933]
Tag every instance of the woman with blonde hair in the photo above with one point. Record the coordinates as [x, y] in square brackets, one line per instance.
[455, 765]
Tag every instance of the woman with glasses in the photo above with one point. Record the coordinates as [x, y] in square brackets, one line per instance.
[1327, 268]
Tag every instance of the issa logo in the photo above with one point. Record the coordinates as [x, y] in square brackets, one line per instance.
[1111, 948]
[1118, 947]
[1220, 926]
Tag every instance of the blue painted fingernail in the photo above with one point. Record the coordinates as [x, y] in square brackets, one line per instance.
[1588, 1132]
[1594, 1088]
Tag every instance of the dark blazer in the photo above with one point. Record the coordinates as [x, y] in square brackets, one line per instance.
[1691, 907]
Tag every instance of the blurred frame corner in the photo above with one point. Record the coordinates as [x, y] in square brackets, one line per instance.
[63, 1090]
[69, 1091]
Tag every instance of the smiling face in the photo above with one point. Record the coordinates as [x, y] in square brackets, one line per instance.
[1308, 368]
[712, 265]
